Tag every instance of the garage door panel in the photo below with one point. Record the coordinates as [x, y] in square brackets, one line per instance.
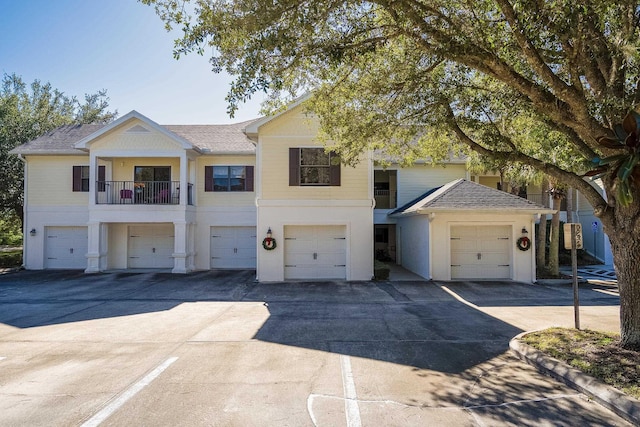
[315, 252]
[151, 246]
[66, 247]
[480, 252]
[233, 247]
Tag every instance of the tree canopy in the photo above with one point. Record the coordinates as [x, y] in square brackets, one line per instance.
[28, 111]
[528, 81]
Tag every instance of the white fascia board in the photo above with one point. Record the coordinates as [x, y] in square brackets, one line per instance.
[487, 211]
[84, 143]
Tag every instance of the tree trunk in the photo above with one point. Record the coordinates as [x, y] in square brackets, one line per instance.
[541, 236]
[626, 253]
[554, 244]
[569, 205]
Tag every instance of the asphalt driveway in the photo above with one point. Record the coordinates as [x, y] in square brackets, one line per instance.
[216, 348]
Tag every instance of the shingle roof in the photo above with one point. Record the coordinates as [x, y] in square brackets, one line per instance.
[60, 140]
[468, 196]
[217, 139]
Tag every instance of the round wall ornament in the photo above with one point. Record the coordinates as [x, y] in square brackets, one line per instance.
[523, 243]
[269, 243]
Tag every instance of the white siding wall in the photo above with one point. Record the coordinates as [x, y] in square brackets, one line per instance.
[359, 225]
[40, 217]
[523, 262]
[416, 180]
[413, 233]
[207, 217]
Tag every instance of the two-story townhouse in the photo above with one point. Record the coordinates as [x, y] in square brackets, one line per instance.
[137, 195]
[133, 194]
[320, 210]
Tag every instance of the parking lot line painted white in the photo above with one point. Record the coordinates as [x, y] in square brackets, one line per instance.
[115, 404]
[352, 410]
[607, 292]
[2, 358]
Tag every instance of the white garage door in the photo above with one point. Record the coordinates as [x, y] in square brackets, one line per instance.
[481, 252]
[315, 252]
[151, 246]
[233, 247]
[66, 247]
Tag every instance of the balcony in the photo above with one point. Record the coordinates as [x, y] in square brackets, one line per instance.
[140, 193]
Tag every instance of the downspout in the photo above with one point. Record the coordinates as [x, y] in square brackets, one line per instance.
[24, 210]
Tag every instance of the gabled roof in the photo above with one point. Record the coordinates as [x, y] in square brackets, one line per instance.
[251, 130]
[73, 139]
[84, 143]
[463, 195]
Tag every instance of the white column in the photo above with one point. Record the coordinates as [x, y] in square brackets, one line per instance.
[184, 178]
[93, 249]
[93, 177]
[180, 246]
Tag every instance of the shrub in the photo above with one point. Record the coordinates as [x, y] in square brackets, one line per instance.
[11, 259]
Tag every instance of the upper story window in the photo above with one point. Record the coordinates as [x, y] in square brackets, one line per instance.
[313, 167]
[81, 178]
[228, 178]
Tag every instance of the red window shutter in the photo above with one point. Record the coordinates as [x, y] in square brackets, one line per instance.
[101, 178]
[334, 170]
[294, 166]
[208, 178]
[248, 178]
[77, 178]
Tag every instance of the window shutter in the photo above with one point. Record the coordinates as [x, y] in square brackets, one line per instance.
[77, 178]
[294, 166]
[101, 178]
[334, 170]
[248, 178]
[208, 178]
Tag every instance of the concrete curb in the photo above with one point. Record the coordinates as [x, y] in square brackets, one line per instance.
[607, 396]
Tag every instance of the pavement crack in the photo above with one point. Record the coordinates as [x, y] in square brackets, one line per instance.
[391, 290]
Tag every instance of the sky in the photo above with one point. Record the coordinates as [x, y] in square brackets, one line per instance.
[121, 46]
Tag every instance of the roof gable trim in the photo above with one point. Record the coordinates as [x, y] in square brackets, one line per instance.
[85, 143]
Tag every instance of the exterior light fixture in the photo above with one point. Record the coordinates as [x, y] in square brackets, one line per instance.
[33, 232]
[524, 230]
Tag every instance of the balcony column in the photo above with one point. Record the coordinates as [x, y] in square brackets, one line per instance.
[184, 178]
[93, 248]
[93, 177]
[180, 246]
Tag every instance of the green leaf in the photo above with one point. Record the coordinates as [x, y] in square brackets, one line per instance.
[627, 167]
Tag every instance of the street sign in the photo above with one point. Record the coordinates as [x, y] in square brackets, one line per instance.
[567, 235]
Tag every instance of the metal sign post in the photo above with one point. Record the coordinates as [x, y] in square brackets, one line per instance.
[573, 240]
[574, 274]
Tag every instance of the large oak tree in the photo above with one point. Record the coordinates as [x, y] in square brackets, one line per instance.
[417, 78]
[28, 111]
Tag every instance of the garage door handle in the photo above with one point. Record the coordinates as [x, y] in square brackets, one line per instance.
[479, 256]
[315, 255]
[153, 250]
[70, 250]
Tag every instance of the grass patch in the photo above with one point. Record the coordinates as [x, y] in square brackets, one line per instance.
[595, 353]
